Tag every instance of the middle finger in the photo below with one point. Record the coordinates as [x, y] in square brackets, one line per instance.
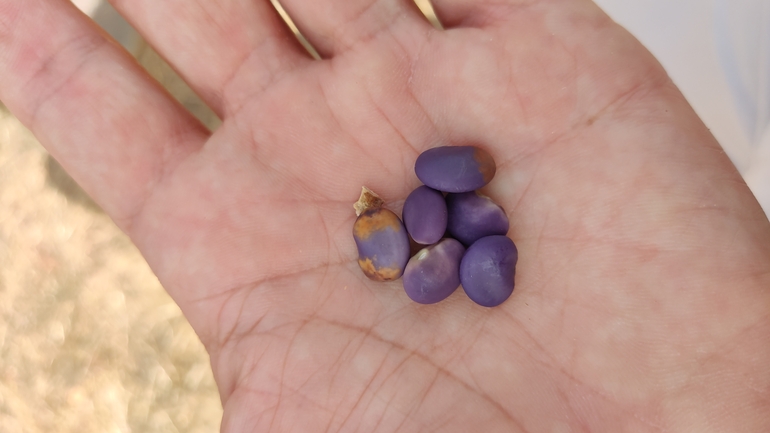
[222, 49]
[336, 26]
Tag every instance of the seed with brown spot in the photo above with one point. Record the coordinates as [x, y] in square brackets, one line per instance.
[455, 168]
[383, 244]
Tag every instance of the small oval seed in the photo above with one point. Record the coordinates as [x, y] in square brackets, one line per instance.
[472, 216]
[488, 269]
[425, 215]
[455, 168]
[434, 273]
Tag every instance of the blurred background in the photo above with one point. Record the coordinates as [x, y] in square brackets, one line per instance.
[90, 342]
[718, 53]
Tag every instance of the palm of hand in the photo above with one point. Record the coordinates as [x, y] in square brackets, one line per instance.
[620, 203]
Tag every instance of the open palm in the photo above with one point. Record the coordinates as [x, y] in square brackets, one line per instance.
[643, 284]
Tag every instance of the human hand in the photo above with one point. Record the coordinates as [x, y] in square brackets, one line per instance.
[643, 282]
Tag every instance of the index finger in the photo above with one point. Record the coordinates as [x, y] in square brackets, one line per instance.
[113, 128]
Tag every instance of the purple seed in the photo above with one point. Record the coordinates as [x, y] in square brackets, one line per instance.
[383, 245]
[425, 215]
[455, 168]
[473, 216]
[434, 273]
[487, 270]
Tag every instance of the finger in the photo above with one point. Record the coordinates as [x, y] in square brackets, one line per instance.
[105, 120]
[473, 13]
[336, 26]
[226, 50]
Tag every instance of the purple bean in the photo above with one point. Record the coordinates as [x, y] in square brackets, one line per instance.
[433, 273]
[473, 216]
[455, 168]
[425, 215]
[383, 244]
[487, 270]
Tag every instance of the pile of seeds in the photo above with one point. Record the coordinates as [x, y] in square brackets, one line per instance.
[464, 232]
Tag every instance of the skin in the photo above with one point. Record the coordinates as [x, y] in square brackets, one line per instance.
[643, 283]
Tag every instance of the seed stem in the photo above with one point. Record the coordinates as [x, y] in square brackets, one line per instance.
[368, 200]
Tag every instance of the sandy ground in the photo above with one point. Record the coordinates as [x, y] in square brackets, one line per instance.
[89, 340]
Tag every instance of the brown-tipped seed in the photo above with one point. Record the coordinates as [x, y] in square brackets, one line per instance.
[455, 168]
[383, 244]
